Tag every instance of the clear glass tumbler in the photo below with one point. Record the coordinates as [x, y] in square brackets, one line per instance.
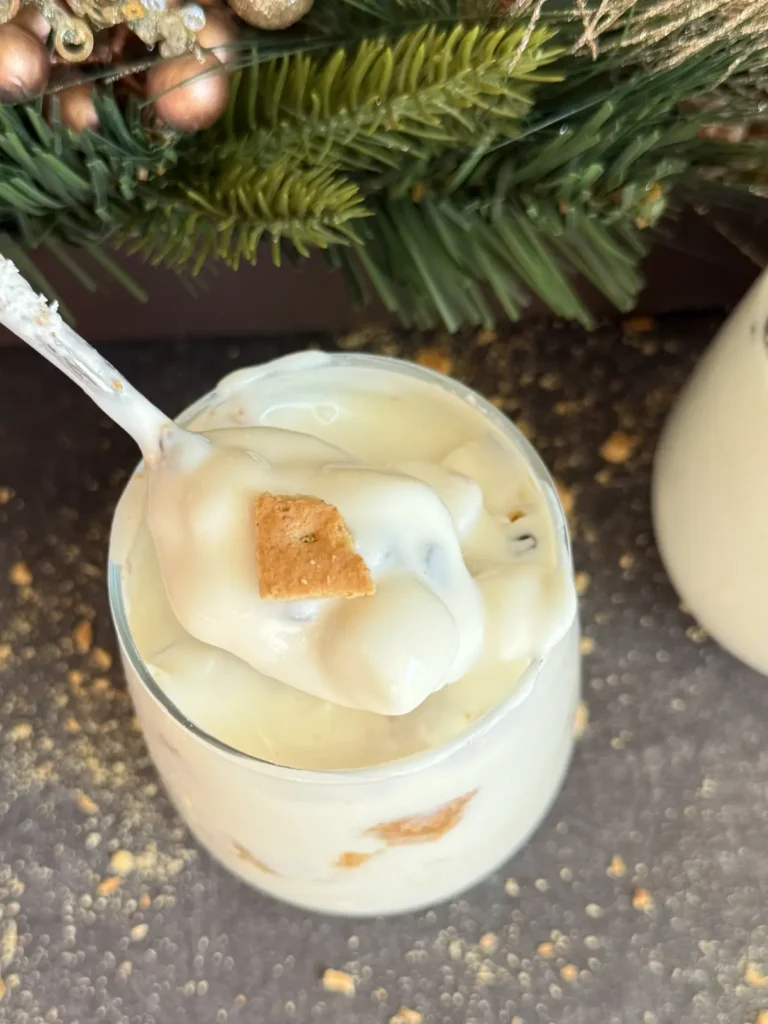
[397, 836]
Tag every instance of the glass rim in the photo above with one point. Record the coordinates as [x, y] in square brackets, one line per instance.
[413, 762]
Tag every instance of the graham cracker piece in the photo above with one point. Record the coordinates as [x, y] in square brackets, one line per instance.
[423, 828]
[305, 550]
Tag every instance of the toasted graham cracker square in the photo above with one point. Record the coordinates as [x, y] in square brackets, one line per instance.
[305, 550]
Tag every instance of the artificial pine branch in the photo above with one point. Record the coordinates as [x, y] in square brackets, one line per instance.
[499, 153]
[439, 261]
[383, 101]
[226, 215]
[73, 187]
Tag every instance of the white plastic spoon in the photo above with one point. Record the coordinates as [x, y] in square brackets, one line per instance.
[34, 321]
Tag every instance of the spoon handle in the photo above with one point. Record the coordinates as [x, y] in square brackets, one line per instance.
[29, 316]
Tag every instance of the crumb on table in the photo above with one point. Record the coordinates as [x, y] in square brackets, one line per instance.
[338, 981]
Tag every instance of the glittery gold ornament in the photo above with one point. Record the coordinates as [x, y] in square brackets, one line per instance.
[218, 34]
[8, 9]
[77, 109]
[270, 14]
[24, 64]
[190, 93]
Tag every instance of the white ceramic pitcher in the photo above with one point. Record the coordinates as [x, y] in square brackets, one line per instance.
[710, 487]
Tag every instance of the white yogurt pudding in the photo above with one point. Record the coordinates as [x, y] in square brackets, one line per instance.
[368, 754]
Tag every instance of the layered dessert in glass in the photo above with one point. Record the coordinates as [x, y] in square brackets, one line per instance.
[370, 703]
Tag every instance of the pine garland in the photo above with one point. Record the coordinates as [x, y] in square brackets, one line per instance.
[448, 160]
[358, 111]
[232, 209]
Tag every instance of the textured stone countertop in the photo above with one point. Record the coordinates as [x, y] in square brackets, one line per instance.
[640, 900]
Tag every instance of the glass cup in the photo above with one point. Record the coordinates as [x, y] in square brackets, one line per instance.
[397, 836]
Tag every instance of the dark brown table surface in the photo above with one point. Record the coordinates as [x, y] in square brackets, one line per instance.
[640, 900]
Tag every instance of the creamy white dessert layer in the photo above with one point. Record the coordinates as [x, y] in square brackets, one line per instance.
[442, 506]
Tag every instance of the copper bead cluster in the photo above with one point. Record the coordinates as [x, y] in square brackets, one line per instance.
[189, 91]
[191, 94]
[24, 63]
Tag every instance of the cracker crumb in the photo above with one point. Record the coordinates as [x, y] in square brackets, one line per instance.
[75, 677]
[101, 659]
[20, 575]
[581, 581]
[753, 975]
[569, 972]
[639, 324]
[546, 949]
[122, 862]
[82, 636]
[2, 990]
[566, 496]
[762, 1017]
[581, 721]
[71, 724]
[697, 633]
[485, 337]
[304, 550]
[125, 970]
[245, 855]
[109, 885]
[145, 901]
[338, 981]
[619, 447]
[489, 942]
[627, 561]
[20, 731]
[512, 887]
[427, 827]
[586, 645]
[85, 804]
[92, 840]
[485, 975]
[406, 1016]
[617, 868]
[352, 859]
[9, 942]
[433, 359]
[642, 899]
[139, 932]
[455, 949]
[593, 910]
[6, 493]
[5, 653]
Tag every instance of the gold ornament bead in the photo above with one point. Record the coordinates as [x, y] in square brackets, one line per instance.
[219, 31]
[188, 99]
[24, 64]
[77, 109]
[270, 14]
[32, 20]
